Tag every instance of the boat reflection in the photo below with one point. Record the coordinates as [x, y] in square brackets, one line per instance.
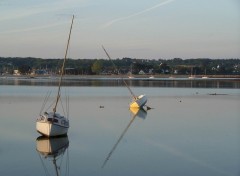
[53, 150]
[137, 112]
[141, 113]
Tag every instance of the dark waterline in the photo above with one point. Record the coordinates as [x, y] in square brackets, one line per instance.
[117, 82]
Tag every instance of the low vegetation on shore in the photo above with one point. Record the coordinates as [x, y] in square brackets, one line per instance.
[128, 66]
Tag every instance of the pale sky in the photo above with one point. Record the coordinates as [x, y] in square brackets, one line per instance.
[149, 29]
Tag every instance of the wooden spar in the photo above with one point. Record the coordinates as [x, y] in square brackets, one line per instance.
[133, 95]
[63, 66]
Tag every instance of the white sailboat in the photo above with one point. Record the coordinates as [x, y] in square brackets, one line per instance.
[205, 76]
[130, 75]
[191, 76]
[53, 149]
[138, 101]
[52, 123]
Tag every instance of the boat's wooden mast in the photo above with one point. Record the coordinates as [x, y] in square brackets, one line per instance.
[62, 69]
[133, 95]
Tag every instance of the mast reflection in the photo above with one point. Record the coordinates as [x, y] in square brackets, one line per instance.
[53, 150]
[137, 112]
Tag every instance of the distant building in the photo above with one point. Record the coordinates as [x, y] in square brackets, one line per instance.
[39, 72]
[141, 72]
[16, 72]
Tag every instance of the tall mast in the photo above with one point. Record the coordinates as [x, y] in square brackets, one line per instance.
[133, 95]
[63, 66]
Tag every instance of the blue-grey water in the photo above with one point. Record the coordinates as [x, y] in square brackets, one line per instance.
[190, 130]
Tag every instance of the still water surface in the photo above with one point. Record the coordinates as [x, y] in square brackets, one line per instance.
[190, 131]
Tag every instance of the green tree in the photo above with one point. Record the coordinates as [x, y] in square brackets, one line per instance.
[97, 67]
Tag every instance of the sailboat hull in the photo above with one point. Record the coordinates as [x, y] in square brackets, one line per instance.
[50, 129]
[52, 124]
[139, 102]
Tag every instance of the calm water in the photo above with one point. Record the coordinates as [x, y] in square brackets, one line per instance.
[190, 131]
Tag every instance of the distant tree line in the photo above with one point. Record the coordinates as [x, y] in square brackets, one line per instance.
[199, 66]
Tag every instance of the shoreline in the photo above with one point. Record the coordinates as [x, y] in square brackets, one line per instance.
[137, 77]
[116, 80]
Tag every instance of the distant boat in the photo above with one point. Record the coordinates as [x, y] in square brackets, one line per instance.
[191, 76]
[205, 76]
[138, 101]
[53, 149]
[131, 76]
[136, 113]
[151, 77]
[51, 123]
